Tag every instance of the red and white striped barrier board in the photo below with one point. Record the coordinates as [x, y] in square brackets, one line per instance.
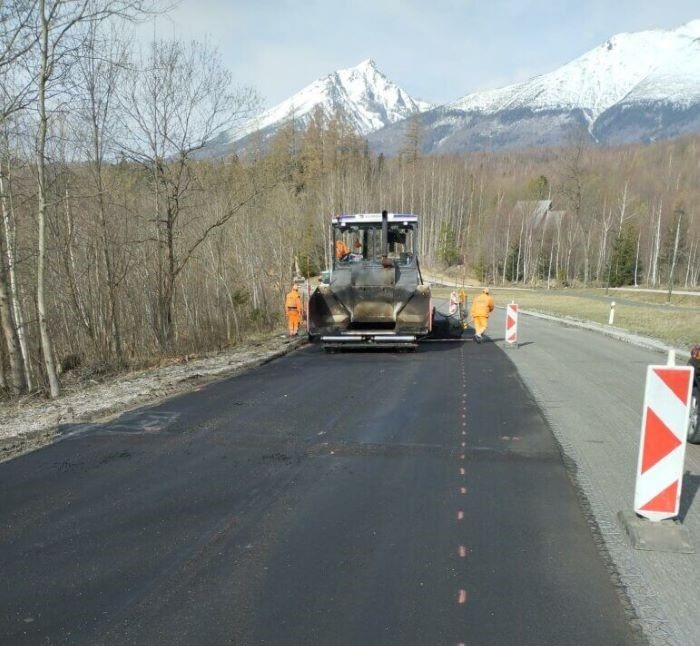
[657, 492]
[512, 324]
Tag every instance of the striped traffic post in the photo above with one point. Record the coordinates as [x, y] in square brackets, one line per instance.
[667, 397]
[512, 325]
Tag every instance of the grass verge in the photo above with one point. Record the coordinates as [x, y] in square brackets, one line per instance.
[642, 313]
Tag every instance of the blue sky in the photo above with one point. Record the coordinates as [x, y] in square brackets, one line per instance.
[437, 50]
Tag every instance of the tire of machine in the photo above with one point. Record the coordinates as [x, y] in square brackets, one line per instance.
[693, 423]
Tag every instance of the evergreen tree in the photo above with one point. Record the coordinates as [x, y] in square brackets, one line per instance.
[448, 251]
[512, 272]
[623, 256]
[479, 267]
[537, 188]
[413, 138]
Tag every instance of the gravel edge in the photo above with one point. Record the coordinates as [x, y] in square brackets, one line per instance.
[194, 375]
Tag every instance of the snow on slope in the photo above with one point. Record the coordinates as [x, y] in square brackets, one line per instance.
[367, 97]
[675, 80]
[656, 62]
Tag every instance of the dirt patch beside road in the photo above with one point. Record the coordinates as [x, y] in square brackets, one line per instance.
[28, 423]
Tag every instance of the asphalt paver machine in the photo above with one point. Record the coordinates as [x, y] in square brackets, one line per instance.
[375, 296]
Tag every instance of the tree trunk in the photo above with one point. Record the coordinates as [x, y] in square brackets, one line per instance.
[675, 256]
[549, 267]
[112, 323]
[520, 248]
[657, 247]
[16, 381]
[9, 230]
[3, 379]
[506, 252]
[691, 260]
[46, 345]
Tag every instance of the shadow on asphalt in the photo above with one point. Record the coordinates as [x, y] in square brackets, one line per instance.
[441, 345]
[432, 345]
[691, 484]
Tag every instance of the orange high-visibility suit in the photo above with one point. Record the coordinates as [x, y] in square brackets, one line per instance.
[294, 308]
[482, 306]
[463, 304]
[341, 249]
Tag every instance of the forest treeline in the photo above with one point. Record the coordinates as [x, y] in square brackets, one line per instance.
[121, 242]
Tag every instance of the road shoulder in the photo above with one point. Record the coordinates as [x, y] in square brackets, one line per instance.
[590, 389]
[31, 422]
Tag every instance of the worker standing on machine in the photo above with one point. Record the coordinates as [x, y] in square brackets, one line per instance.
[341, 249]
[294, 308]
[482, 306]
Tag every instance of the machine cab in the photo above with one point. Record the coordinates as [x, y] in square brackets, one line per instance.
[369, 239]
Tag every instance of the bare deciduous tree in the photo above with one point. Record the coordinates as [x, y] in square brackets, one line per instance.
[178, 97]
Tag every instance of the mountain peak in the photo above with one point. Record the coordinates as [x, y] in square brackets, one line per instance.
[635, 86]
[596, 80]
[368, 63]
[363, 93]
[691, 29]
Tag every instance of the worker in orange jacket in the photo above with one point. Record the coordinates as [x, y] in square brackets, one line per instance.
[294, 308]
[341, 249]
[463, 305]
[482, 306]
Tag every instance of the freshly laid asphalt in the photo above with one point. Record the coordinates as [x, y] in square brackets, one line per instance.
[320, 499]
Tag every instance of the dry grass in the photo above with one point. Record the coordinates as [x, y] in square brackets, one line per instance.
[681, 300]
[639, 312]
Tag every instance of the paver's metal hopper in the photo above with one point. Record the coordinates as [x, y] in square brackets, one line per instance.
[376, 296]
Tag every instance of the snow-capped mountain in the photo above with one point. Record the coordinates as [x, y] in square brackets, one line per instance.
[367, 98]
[634, 87]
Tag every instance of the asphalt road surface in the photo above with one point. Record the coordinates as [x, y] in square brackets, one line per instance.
[353, 498]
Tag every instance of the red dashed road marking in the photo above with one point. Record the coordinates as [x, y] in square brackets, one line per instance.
[462, 471]
[460, 515]
[462, 551]
[462, 596]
